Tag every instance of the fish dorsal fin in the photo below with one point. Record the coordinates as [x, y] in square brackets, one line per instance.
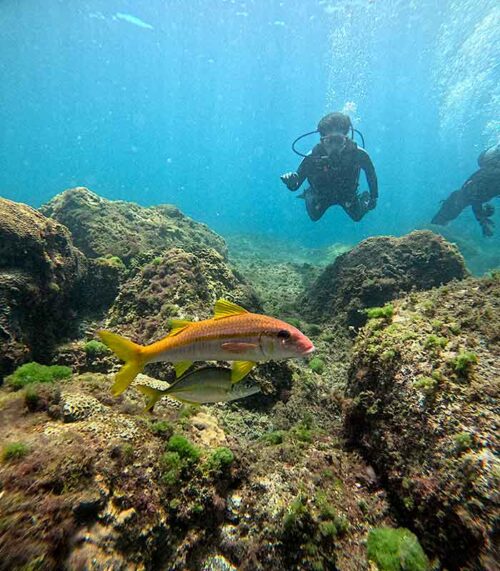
[224, 308]
[240, 370]
[177, 325]
[181, 367]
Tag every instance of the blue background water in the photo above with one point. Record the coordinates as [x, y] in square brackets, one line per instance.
[196, 103]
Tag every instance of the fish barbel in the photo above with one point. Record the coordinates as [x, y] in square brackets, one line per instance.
[233, 334]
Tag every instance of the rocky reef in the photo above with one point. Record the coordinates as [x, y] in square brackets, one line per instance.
[103, 227]
[378, 270]
[40, 271]
[425, 393]
[376, 453]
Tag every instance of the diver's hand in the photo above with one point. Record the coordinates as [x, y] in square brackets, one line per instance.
[291, 179]
[372, 203]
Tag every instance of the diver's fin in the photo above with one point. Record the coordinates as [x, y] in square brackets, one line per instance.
[241, 369]
[224, 308]
[127, 351]
[181, 367]
[152, 395]
[238, 347]
[177, 325]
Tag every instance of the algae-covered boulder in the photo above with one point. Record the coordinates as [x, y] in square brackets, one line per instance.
[177, 284]
[425, 392]
[39, 271]
[103, 227]
[378, 270]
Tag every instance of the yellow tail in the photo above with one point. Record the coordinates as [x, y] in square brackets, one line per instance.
[152, 395]
[127, 351]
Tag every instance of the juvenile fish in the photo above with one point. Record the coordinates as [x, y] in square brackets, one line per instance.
[233, 334]
[206, 385]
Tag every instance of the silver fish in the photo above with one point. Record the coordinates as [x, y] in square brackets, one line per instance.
[205, 385]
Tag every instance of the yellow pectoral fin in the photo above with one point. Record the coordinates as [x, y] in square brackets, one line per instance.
[181, 367]
[224, 308]
[152, 395]
[241, 369]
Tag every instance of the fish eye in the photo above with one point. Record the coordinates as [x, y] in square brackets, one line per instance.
[284, 334]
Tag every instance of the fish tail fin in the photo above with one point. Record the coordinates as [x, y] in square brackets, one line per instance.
[127, 351]
[152, 395]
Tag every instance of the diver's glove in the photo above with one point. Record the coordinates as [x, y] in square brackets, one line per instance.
[291, 179]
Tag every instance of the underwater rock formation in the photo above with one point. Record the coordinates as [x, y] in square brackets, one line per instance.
[103, 227]
[425, 392]
[88, 482]
[47, 286]
[40, 271]
[378, 270]
[176, 284]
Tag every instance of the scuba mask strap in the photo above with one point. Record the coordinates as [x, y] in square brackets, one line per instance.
[298, 139]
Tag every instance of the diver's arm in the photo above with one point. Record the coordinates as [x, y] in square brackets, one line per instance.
[371, 176]
[293, 180]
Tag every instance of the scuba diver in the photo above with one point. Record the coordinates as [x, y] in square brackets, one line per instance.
[480, 187]
[332, 170]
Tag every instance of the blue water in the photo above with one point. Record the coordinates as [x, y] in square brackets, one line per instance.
[196, 103]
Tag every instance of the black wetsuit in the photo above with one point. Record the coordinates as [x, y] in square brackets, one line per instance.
[334, 180]
[480, 187]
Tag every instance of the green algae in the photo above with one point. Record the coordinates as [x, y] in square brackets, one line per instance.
[36, 373]
[427, 385]
[14, 451]
[162, 428]
[95, 348]
[385, 312]
[463, 441]
[317, 365]
[220, 459]
[171, 465]
[396, 550]
[186, 450]
[463, 362]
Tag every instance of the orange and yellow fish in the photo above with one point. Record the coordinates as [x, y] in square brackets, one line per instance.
[232, 334]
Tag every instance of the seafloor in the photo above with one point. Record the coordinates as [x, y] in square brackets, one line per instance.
[380, 451]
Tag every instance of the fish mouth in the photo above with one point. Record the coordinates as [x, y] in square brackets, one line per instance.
[308, 350]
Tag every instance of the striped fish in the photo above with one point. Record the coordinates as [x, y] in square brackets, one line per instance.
[233, 334]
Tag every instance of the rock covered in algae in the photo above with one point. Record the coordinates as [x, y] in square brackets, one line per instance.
[425, 396]
[102, 486]
[47, 285]
[176, 284]
[102, 227]
[381, 269]
[40, 270]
